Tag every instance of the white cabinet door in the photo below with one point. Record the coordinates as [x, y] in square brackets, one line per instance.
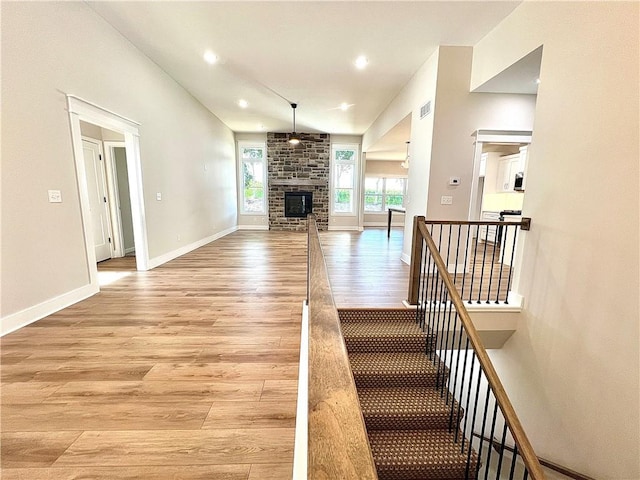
[507, 169]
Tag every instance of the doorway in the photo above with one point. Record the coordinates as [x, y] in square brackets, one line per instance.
[80, 110]
[499, 158]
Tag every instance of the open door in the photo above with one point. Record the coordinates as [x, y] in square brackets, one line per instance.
[98, 198]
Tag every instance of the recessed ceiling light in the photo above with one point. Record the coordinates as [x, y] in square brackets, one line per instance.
[345, 106]
[243, 103]
[361, 62]
[538, 81]
[210, 57]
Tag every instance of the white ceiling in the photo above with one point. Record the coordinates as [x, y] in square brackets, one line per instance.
[302, 51]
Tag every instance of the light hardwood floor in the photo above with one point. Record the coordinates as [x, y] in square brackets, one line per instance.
[186, 371]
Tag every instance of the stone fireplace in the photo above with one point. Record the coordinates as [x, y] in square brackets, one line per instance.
[302, 175]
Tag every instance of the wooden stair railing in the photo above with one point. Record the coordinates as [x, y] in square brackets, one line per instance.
[442, 313]
[338, 447]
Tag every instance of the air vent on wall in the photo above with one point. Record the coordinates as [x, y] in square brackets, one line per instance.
[425, 109]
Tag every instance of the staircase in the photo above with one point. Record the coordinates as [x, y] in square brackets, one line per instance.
[407, 417]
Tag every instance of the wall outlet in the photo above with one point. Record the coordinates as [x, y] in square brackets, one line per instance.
[55, 196]
[158, 196]
[446, 200]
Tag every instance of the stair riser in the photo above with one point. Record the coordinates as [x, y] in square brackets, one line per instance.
[396, 380]
[385, 344]
[408, 423]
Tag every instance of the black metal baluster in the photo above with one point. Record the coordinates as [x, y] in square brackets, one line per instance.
[473, 421]
[455, 266]
[526, 474]
[506, 235]
[491, 438]
[484, 424]
[513, 462]
[473, 268]
[466, 253]
[448, 348]
[493, 262]
[513, 250]
[459, 412]
[466, 417]
[454, 372]
[441, 304]
[502, 449]
[484, 259]
[423, 286]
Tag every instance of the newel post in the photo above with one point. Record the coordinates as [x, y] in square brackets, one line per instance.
[416, 261]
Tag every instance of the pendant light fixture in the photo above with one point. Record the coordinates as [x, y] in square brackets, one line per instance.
[405, 164]
[294, 138]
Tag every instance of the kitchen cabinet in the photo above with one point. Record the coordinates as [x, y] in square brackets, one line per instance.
[507, 168]
[487, 233]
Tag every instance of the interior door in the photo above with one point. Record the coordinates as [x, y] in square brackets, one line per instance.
[98, 199]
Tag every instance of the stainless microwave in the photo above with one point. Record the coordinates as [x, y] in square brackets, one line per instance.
[518, 185]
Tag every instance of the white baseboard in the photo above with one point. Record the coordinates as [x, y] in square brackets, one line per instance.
[405, 258]
[382, 224]
[20, 319]
[253, 227]
[129, 250]
[157, 261]
[350, 228]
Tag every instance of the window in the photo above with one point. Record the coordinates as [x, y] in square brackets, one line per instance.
[344, 179]
[253, 178]
[381, 193]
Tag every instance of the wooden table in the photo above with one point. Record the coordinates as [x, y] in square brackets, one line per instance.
[391, 210]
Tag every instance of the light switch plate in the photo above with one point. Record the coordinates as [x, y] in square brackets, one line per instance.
[55, 196]
[158, 196]
[446, 200]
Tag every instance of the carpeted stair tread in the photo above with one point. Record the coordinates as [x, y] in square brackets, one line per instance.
[406, 408]
[386, 315]
[419, 454]
[410, 369]
[381, 337]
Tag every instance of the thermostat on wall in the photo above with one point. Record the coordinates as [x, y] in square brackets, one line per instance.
[454, 180]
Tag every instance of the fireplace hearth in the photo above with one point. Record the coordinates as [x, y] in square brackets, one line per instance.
[298, 204]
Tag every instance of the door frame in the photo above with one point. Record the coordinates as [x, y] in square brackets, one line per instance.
[80, 109]
[114, 196]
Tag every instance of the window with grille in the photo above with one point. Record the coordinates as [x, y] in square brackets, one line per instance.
[344, 175]
[380, 193]
[253, 178]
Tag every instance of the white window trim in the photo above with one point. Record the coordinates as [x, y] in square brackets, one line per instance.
[356, 176]
[241, 211]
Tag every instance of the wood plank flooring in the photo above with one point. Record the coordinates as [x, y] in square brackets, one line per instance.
[186, 371]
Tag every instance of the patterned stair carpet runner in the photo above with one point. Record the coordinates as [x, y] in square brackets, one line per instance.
[406, 416]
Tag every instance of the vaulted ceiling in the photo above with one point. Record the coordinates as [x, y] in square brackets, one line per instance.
[274, 53]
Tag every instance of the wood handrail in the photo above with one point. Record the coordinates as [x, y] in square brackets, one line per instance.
[524, 224]
[338, 443]
[517, 431]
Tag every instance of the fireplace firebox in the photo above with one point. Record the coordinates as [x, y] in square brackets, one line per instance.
[298, 204]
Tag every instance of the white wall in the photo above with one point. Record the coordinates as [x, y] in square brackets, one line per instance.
[49, 49]
[420, 89]
[572, 366]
